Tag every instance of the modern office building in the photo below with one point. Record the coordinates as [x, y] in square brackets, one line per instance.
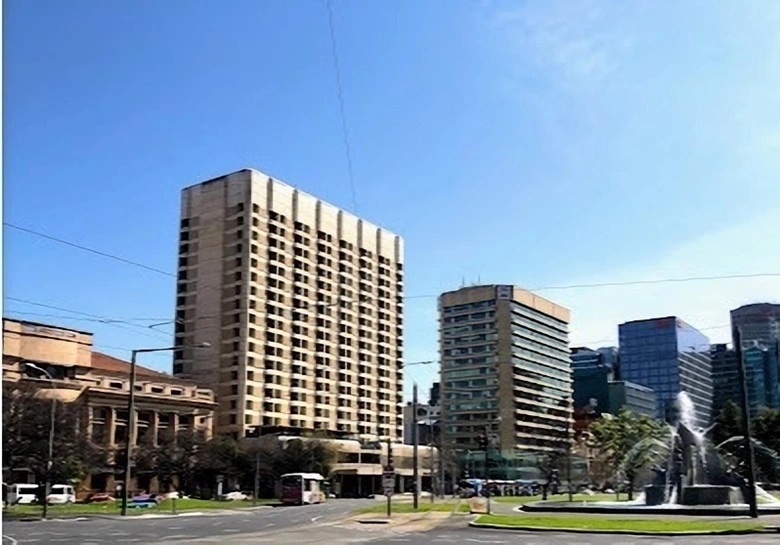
[301, 303]
[669, 356]
[597, 392]
[631, 396]
[725, 377]
[582, 356]
[434, 394]
[428, 417]
[759, 322]
[760, 327]
[505, 369]
[590, 386]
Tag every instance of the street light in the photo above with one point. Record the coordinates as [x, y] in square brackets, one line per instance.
[415, 437]
[50, 454]
[129, 439]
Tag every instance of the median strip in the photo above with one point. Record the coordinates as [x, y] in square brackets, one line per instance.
[616, 526]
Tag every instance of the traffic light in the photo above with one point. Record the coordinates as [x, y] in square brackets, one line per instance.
[482, 440]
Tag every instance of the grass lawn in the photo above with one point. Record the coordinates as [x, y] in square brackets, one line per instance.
[114, 507]
[607, 524]
[407, 507]
[520, 500]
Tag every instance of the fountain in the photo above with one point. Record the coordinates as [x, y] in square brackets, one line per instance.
[689, 477]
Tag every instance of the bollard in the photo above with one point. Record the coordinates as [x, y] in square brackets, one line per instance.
[173, 505]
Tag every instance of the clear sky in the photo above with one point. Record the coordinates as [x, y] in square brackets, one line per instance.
[541, 143]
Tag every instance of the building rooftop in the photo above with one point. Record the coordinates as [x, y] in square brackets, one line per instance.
[300, 191]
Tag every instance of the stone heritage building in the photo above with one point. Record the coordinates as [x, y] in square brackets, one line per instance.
[98, 386]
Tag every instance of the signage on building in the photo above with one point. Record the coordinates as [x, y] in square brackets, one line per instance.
[503, 292]
[47, 331]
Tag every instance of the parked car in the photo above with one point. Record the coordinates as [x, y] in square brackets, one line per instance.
[61, 494]
[99, 497]
[22, 493]
[234, 496]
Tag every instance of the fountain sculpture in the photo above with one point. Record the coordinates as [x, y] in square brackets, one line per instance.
[689, 477]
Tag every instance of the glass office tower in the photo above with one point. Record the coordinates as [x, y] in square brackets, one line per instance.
[668, 356]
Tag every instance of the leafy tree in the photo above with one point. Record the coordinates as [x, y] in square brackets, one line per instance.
[551, 464]
[26, 424]
[645, 453]
[728, 422]
[303, 456]
[616, 436]
[175, 457]
[766, 428]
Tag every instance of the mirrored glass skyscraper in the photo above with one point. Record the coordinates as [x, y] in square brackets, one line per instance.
[669, 356]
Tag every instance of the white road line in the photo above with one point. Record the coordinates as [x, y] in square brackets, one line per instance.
[12, 540]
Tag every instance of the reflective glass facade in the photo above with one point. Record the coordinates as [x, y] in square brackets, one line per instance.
[668, 356]
[725, 377]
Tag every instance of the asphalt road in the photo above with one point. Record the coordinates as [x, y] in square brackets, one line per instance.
[222, 526]
[315, 524]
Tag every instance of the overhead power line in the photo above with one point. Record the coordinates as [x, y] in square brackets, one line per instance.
[636, 282]
[673, 280]
[121, 324]
[342, 113]
[87, 249]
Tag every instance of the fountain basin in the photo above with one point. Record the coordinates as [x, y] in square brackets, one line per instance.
[709, 494]
[634, 508]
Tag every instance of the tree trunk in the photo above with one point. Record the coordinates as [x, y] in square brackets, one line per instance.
[630, 487]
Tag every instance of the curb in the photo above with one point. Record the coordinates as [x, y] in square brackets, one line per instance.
[621, 532]
[143, 516]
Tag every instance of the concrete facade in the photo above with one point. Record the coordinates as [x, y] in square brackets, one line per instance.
[505, 366]
[301, 303]
[97, 385]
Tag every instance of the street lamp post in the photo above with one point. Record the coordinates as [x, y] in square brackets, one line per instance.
[50, 453]
[415, 439]
[130, 436]
[748, 451]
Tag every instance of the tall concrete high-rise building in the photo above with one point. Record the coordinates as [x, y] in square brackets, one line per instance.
[725, 377]
[759, 322]
[505, 369]
[669, 356]
[301, 303]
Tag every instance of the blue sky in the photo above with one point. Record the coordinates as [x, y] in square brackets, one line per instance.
[539, 143]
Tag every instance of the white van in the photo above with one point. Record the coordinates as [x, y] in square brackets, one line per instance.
[61, 493]
[22, 493]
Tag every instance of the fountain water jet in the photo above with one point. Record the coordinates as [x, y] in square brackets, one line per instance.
[693, 481]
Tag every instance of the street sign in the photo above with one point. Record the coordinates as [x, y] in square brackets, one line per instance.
[388, 482]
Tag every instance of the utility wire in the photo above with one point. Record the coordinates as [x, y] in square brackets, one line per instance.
[87, 249]
[677, 280]
[636, 282]
[103, 319]
[340, 94]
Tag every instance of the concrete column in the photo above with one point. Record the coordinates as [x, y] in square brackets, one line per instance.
[110, 426]
[153, 425]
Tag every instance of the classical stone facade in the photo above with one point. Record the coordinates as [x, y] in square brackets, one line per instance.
[98, 386]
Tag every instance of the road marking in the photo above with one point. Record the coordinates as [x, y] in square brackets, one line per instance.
[232, 530]
[314, 519]
[176, 527]
[269, 525]
[12, 540]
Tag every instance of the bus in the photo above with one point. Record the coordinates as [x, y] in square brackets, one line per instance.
[301, 488]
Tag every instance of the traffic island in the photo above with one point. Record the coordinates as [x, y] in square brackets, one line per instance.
[588, 525]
